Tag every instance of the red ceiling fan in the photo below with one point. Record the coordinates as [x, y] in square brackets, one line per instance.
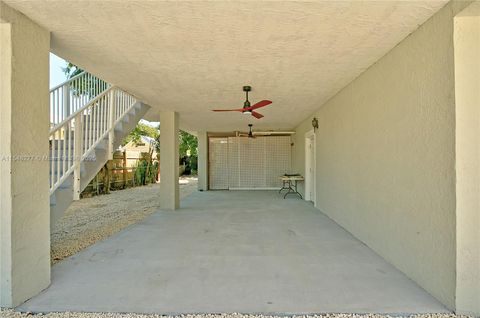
[247, 108]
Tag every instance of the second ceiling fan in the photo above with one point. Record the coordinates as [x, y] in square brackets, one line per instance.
[247, 108]
[249, 134]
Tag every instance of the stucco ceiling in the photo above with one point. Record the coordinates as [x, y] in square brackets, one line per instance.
[195, 56]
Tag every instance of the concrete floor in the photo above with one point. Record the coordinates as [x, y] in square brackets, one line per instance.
[244, 251]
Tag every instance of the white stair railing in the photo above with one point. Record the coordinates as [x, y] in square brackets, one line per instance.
[74, 138]
[70, 96]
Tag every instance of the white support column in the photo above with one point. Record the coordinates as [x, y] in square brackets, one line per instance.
[78, 151]
[202, 160]
[24, 152]
[66, 100]
[169, 161]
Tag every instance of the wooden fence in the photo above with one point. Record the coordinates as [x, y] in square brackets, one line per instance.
[124, 171]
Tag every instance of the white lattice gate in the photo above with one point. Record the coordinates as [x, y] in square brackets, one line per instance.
[249, 163]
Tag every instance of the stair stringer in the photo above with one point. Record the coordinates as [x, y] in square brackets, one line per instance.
[62, 197]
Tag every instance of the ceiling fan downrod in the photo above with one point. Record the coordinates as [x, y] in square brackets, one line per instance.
[246, 104]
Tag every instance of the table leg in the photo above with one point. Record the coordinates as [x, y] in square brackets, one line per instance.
[292, 190]
[283, 186]
[297, 190]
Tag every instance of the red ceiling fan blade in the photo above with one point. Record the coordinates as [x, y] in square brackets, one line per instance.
[257, 115]
[262, 103]
[227, 110]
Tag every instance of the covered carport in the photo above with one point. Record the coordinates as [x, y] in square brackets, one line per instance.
[380, 97]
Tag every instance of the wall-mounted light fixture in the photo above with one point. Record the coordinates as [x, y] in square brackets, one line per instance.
[315, 123]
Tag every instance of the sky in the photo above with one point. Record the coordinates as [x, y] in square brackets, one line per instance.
[56, 73]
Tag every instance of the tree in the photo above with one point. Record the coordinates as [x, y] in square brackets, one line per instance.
[71, 70]
[188, 144]
[87, 86]
[142, 130]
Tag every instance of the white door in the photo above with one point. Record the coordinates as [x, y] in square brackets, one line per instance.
[310, 166]
[218, 163]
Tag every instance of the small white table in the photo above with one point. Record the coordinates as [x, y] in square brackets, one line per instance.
[290, 184]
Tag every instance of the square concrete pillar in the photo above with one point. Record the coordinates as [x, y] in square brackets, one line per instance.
[202, 161]
[169, 161]
[467, 150]
[24, 150]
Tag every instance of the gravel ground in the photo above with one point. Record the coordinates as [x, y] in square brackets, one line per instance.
[90, 220]
[12, 314]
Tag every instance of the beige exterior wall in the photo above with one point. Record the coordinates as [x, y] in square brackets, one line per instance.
[385, 167]
[134, 152]
[24, 124]
[467, 101]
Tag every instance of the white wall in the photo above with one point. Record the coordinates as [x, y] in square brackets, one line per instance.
[385, 165]
[24, 188]
[467, 102]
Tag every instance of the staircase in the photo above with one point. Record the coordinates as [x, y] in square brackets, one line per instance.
[89, 119]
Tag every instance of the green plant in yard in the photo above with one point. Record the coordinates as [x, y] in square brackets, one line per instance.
[188, 144]
[188, 148]
[146, 171]
[153, 172]
[140, 172]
